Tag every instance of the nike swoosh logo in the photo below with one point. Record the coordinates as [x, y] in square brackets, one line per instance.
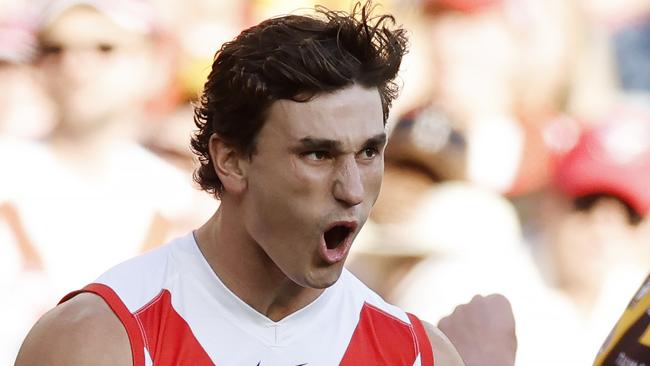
[302, 364]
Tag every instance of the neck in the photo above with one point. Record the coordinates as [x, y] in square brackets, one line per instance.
[243, 266]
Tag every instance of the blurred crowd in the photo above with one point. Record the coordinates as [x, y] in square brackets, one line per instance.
[519, 157]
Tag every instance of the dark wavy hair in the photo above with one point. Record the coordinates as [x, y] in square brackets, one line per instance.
[296, 58]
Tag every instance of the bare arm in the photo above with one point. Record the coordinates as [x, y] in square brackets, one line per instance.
[31, 258]
[81, 331]
[483, 331]
[444, 352]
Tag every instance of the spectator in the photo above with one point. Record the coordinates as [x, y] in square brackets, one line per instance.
[597, 249]
[69, 191]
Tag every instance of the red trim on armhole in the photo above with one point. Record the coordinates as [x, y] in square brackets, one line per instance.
[380, 339]
[426, 352]
[122, 312]
[169, 338]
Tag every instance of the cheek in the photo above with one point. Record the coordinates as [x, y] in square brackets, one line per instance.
[305, 175]
[372, 181]
[128, 79]
[282, 194]
[311, 183]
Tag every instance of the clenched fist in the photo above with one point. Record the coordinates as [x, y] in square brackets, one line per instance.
[483, 331]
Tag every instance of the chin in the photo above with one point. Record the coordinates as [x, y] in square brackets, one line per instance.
[322, 278]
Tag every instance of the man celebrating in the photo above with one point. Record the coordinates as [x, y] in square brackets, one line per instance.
[291, 133]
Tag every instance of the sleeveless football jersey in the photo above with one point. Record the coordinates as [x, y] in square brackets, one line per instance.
[176, 311]
[629, 341]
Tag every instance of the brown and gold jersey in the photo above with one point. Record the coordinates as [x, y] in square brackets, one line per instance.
[629, 342]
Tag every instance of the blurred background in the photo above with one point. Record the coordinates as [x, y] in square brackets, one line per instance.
[519, 158]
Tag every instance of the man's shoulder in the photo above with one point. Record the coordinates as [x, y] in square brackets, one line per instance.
[81, 331]
[444, 351]
[138, 280]
[154, 262]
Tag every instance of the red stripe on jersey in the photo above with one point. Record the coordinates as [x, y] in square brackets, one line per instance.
[426, 353]
[123, 313]
[168, 337]
[380, 339]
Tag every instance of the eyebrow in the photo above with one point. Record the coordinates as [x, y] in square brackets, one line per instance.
[377, 140]
[312, 143]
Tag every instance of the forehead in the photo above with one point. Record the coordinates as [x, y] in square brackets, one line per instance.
[347, 115]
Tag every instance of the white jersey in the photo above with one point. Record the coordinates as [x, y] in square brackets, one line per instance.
[177, 312]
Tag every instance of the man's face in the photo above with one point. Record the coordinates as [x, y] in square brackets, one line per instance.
[312, 181]
[591, 243]
[93, 67]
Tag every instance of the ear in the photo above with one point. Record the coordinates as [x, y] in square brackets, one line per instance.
[229, 164]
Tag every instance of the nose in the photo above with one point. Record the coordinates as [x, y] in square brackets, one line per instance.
[77, 66]
[348, 186]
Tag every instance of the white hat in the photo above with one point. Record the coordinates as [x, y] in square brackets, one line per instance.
[134, 15]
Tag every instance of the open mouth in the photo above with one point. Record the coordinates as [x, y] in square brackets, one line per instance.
[336, 235]
[337, 240]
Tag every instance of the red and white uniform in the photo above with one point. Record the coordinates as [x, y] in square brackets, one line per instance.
[177, 312]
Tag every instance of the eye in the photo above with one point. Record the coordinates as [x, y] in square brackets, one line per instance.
[369, 153]
[105, 48]
[316, 155]
[51, 50]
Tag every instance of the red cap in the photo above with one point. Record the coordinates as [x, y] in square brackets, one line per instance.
[611, 158]
[465, 6]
